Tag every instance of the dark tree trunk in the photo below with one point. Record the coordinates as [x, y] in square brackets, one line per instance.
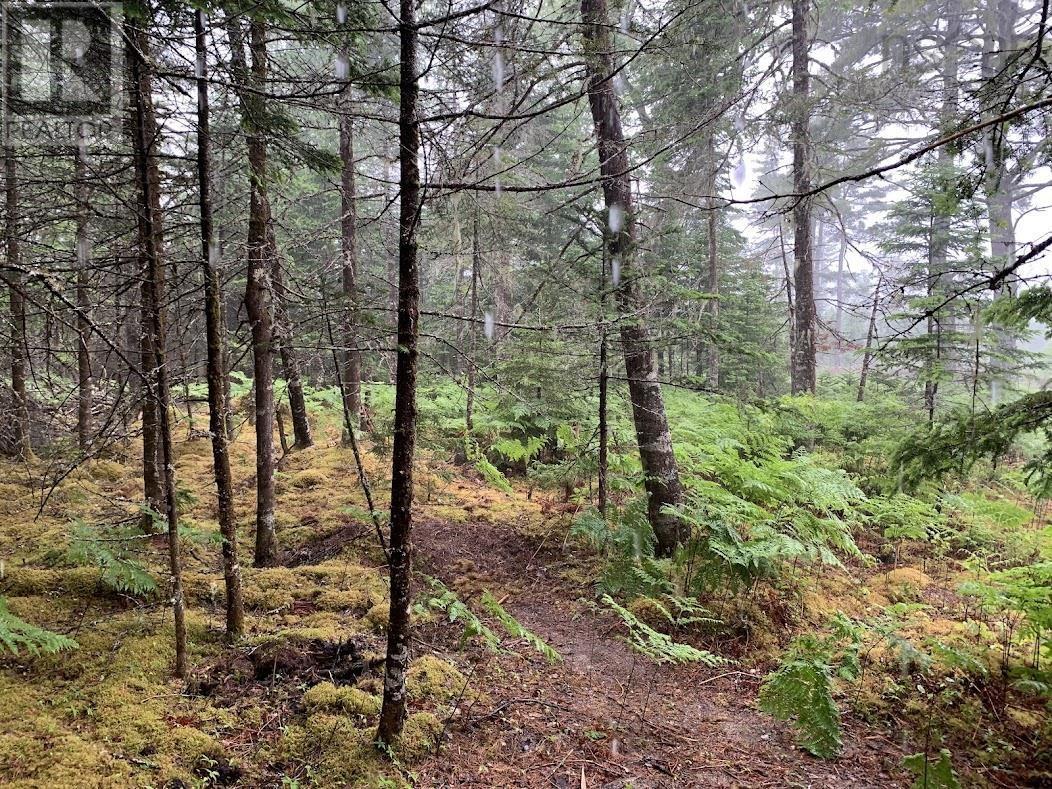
[871, 333]
[476, 272]
[713, 271]
[352, 357]
[83, 252]
[20, 445]
[604, 383]
[152, 286]
[235, 609]
[145, 140]
[661, 474]
[258, 293]
[802, 368]
[283, 336]
[392, 714]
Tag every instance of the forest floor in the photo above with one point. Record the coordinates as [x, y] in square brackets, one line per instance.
[606, 716]
[296, 703]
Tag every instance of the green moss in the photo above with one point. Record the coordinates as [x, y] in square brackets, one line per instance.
[377, 617]
[329, 697]
[432, 679]
[26, 581]
[38, 748]
[334, 752]
[308, 479]
[345, 600]
[419, 737]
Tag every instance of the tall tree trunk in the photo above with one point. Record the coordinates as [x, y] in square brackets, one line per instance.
[283, 335]
[941, 225]
[838, 320]
[713, 270]
[661, 474]
[145, 141]
[604, 384]
[392, 714]
[803, 367]
[235, 609]
[152, 284]
[21, 444]
[352, 357]
[871, 333]
[258, 287]
[83, 252]
[476, 272]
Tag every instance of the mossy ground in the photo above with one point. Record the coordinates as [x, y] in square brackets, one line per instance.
[110, 713]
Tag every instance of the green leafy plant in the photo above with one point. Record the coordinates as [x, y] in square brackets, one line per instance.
[658, 646]
[516, 630]
[800, 690]
[16, 634]
[112, 550]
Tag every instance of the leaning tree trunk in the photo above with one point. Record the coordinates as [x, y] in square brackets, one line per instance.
[235, 609]
[661, 474]
[871, 334]
[83, 254]
[290, 364]
[144, 146]
[20, 445]
[803, 366]
[352, 357]
[392, 714]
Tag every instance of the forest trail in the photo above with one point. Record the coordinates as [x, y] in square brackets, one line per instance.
[605, 716]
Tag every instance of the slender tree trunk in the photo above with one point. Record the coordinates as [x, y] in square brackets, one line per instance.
[21, 444]
[871, 333]
[803, 367]
[352, 357]
[713, 284]
[258, 288]
[152, 287]
[838, 320]
[476, 272]
[145, 140]
[235, 609]
[83, 244]
[604, 383]
[661, 474]
[392, 714]
[938, 252]
[283, 337]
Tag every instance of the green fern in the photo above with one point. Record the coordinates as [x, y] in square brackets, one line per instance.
[800, 691]
[516, 630]
[656, 645]
[17, 634]
[113, 552]
[447, 601]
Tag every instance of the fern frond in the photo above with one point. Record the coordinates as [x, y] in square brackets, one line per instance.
[658, 646]
[16, 634]
[800, 692]
[516, 630]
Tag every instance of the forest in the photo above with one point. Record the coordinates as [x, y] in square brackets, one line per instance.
[603, 393]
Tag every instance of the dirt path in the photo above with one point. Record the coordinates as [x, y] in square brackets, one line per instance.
[605, 717]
